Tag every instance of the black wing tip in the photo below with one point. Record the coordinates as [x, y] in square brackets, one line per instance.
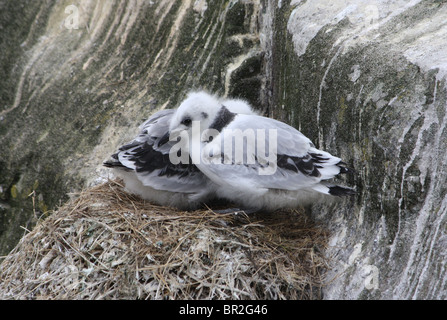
[115, 165]
[339, 191]
[344, 168]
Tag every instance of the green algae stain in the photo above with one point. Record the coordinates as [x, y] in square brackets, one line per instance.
[342, 111]
[14, 192]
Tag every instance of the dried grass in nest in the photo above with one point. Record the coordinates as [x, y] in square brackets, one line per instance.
[107, 244]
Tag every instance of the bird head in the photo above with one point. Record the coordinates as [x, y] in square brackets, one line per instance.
[199, 107]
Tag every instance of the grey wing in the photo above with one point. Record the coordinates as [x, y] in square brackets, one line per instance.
[279, 156]
[148, 156]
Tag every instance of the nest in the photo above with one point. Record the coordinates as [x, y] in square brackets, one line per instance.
[107, 244]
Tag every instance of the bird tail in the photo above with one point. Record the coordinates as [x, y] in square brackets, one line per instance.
[114, 163]
[340, 191]
[334, 190]
[344, 169]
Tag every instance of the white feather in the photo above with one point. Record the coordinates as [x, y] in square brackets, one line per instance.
[184, 192]
[241, 182]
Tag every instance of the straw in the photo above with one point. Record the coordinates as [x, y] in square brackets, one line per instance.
[108, 244]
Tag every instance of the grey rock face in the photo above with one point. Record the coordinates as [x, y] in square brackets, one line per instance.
[367, 82]
[80, 78]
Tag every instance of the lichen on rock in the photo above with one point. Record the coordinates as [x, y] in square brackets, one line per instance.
[363, 83]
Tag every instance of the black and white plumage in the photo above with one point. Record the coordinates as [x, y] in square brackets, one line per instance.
[299, 172]
[147, 171]
[291, 174]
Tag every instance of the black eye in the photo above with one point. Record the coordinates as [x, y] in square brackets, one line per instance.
[186, 121]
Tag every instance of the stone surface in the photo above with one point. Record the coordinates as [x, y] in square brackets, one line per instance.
[365, 80]
[82, 75]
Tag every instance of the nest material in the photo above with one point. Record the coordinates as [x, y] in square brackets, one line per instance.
[107, 244]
